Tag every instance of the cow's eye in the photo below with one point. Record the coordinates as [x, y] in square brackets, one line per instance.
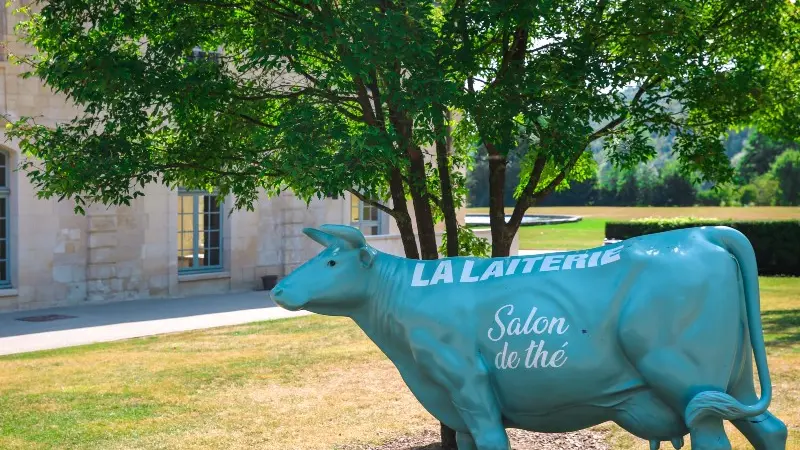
[331, 263]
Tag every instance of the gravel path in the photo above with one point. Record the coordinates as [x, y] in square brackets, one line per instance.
[520, 440]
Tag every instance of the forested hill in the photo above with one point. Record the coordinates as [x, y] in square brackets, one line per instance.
[768, 173]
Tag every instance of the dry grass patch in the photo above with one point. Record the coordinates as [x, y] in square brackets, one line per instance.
[307, 383]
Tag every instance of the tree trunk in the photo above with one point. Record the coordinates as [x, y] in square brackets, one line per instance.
[429, 251]
[444, 145]
[448, 438]
[501, 245]
[403, 219]
[422, 207]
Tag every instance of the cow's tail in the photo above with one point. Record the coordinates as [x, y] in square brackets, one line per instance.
[721, 404]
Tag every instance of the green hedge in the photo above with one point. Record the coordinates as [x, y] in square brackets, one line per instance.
[776, 243]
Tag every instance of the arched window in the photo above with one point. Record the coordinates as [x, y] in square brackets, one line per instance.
[5, 193]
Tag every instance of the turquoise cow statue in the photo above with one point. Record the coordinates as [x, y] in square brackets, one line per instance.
[658, 334]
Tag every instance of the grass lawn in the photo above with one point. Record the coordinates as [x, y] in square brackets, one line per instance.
[305, 383]
[590, 231]
[587, 233]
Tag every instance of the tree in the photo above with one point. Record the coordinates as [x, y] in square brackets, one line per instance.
[317, 97]
[762, 191]
[676, 189]
[553, 75]
[312, 96]
[760, 151]
[786, 171]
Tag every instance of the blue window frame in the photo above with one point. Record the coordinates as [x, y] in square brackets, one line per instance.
[199, 231]
[5, 194]
[367, 218]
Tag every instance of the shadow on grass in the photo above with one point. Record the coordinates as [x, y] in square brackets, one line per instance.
[781, 328]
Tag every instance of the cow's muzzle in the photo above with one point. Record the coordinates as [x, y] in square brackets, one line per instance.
[279, 296]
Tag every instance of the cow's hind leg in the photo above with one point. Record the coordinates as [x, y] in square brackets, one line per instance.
[464, 441]
[645, 415]
[674, 379]
[765, 432]
[683, 340]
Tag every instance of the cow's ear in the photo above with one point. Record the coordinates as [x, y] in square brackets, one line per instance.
[321, 237]
[367, 256]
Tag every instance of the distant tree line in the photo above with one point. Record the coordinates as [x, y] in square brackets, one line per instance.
[767, 174]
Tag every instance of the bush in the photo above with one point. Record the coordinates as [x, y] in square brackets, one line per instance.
[720, 196]
[786, 171]
[469, 244]
[776, 243]
[763, 191]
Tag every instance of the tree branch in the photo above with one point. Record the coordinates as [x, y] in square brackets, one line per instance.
[374, 203]
[610, 126]
[526, 198]
[247, 118]
[560, 177]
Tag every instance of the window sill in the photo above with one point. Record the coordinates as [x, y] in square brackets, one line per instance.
[8, 292]
[203, 276]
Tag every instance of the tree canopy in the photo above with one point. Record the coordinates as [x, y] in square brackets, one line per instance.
[327, 96]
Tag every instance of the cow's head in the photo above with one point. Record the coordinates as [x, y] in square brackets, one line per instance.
[333, 282]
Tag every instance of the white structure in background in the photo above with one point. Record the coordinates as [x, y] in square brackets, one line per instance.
[168, 243]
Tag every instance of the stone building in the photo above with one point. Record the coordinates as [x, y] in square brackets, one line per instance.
[168, 243]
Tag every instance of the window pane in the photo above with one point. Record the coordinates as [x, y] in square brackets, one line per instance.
[3, 228]
[354, 213]
[373, 213]
[3, 271]
[3, 249]
[211, 221]
[212, 257]
[3, 168]
[211, 203]
[373, 230]
[185, 241]
[184, 259]
[213, 238]
[186, 223]
[186, 204]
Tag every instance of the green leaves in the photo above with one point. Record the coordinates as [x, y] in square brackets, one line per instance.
[322, 97]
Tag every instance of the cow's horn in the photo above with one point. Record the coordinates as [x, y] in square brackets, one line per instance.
[350, 235]
[323, 238]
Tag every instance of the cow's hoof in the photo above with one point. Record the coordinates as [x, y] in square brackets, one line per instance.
[677, 443]
[655, 445]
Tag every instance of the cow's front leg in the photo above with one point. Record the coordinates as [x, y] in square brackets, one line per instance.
[466, 377]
